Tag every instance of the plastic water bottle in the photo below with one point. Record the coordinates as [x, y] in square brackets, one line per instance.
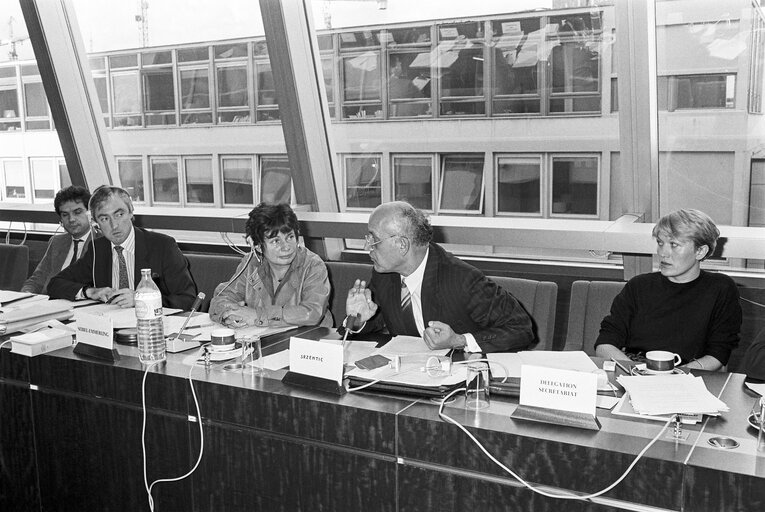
[148, 313]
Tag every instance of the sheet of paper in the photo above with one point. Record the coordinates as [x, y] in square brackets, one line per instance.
[355, 350]
[202, 332]
[562, 360]
[277, 361]
[606, 402]
[121, 317]
[669, 394]
[412, 373]
[175, 322]
[407, 345]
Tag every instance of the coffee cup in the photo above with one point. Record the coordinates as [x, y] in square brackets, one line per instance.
[661, 361]
[222, 338]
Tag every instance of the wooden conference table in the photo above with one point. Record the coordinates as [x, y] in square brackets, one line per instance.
[70, 439]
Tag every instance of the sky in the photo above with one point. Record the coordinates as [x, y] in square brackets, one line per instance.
[111, 24]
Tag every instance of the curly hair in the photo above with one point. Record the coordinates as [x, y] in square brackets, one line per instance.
[73, 193]
[267, 220]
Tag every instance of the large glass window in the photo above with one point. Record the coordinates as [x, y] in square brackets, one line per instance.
[361, 86]
[461, 184]
[275, 179]
[199, 180]
[517, 46]
[127, 99]
[575, 62]
[10, 119]
[14, 179]
[268, 107]
[63, 174]
[35, 101]
[519, 185]
[164, 174]
[363, 181]
[159, 96]
[409, 86]
[238, 184]
[233, 94]
[131, 177]
[460, 64]
[44, 183]
[696, 92]
[413, 180]
[575, 185]
[195, 96]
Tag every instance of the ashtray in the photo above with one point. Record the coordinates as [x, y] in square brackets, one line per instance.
[754, 420]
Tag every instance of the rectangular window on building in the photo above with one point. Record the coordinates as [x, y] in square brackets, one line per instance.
[460, 60]
[461, 184]
[275, 179]
[516, 65]
[267, 105]
[164, 174]
[126, 99]
[10, 117]
[103, 96]
[413, 180]
[195, 96]
[14, 180]
[409, 91]
[199, 181]
[63, 174]
[363, 181]
[238, 183]
[519, 185]
[36, 105]
[131, 177]
[575, 185]
[361, 86]
[696, 92]
[159, 96]
[44, 183]
[233, 95]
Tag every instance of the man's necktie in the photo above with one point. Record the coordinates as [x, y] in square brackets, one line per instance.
[74, 253]
[407, 312]
[124, 283]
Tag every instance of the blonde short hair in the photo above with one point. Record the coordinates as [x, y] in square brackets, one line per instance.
[691, 224]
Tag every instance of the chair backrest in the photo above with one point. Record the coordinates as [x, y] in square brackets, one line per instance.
[14, 266]
[539, 299]
[342, 275]
[209, 270]
[590, 303]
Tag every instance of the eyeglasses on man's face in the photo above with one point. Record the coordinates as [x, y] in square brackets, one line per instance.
[371, 243]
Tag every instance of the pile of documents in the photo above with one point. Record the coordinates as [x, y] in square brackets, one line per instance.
[33, 313]
[671, 394]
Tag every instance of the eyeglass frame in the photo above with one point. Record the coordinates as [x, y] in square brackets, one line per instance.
[370, 243]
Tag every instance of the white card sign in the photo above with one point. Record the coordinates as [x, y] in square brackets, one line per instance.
[322, 358]
[564, 390]
[95, 330]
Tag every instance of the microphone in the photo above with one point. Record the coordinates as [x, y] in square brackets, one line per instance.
[197, 303]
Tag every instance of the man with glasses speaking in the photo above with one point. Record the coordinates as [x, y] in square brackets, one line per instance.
[419, 289]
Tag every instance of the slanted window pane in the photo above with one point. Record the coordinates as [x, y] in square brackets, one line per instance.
[518, 185]
[13, 171]
[575, 185]
[131, 177]
[275, 180]
[199, 181]
[462, 183]
[237, 180]
[43, 178]
[363, 182]
[103, 98]
[165, 181]
[414, 181]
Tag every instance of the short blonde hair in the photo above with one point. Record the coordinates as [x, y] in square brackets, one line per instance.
[692, 224]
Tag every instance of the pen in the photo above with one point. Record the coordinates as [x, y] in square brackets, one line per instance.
[620, 365]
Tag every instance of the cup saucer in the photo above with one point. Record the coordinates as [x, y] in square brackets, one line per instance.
[222, 348]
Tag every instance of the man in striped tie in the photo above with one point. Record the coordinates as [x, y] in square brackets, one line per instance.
[419, 289]
[111, 268]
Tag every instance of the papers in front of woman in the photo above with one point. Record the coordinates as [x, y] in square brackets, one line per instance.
[671, 394]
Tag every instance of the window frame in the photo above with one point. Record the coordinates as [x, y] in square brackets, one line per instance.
[254, 183]
[520, 157]
[441, 182]
[598, 185]
[434, 189]
[345, 157]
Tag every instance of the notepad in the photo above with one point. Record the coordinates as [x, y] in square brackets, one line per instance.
[657, 395]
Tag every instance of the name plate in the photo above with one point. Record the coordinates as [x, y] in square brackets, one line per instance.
[95, 330]
[323, 358]
[563, 390]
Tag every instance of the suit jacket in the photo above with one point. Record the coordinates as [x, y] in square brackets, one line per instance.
[457, 294]
[51, 263]
[169, 270]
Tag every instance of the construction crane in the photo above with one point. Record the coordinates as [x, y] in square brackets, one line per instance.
[12, 53]
[142, 18]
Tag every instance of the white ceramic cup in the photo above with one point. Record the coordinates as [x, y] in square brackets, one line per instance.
[222, 337]
[661, 361]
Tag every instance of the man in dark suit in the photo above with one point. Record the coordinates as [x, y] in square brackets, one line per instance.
[71, 205]
[419, 289]
[120, 255]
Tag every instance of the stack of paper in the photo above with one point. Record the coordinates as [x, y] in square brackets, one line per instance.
[40, 342]
[10, 300]
[17, 319]
[671, 394]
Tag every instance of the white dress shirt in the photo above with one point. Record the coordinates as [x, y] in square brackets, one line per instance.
[80, 249]
[129, 253]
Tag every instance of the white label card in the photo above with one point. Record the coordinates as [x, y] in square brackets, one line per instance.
[322, 358]
[564, 390]
[95, 330]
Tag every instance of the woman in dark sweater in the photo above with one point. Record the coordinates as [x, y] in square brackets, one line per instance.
[681, 308]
